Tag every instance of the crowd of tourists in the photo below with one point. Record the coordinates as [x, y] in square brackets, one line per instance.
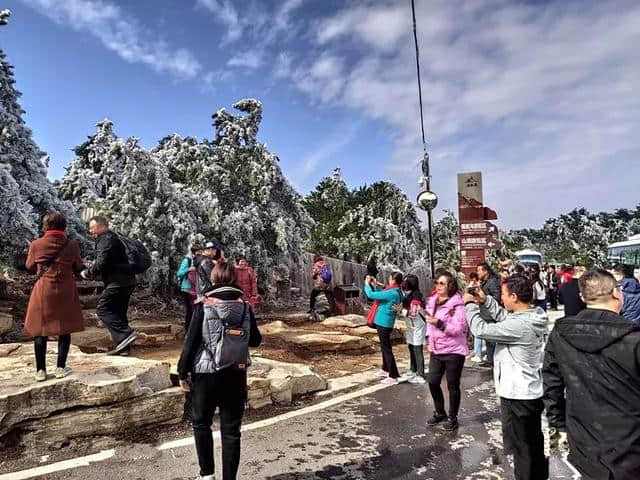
[585, 372]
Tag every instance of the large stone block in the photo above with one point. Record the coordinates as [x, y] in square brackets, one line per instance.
[6, 323]
[306, 342]
[113, 420]
[96, 381]
[283, 381]
[345, 321]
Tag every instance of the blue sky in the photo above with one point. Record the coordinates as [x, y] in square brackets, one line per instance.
[540, 96]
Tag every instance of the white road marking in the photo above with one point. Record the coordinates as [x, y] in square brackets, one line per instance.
[186, 442]
[59, 466]
[285, 416]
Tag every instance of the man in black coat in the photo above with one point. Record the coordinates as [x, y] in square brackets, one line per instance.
[490, 284]
[204, 266]
[591, 378]
[112, 265]
[553, 280]
[569, 294]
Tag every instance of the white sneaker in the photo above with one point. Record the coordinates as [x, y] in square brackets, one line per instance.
[62, 372]
[476, 359]
[417, 380]
[207, 477]
[407, 376]
[382, 374]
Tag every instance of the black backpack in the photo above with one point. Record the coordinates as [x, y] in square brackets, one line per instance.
[137, 254]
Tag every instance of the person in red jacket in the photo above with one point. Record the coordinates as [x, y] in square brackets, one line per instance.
[246, 279]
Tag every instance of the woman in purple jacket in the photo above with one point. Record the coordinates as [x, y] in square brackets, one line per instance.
[447, 329]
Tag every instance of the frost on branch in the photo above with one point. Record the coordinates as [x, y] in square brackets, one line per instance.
[231, 189]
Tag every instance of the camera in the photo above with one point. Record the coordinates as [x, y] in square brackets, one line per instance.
[472, 291]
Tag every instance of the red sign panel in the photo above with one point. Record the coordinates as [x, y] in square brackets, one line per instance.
[471, 259]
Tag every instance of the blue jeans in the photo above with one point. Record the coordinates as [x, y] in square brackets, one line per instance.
[477, 347]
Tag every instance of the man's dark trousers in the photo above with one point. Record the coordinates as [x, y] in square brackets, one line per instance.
[522, 437]
[112, 311]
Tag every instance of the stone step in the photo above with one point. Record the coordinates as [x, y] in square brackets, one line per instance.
[98, 340]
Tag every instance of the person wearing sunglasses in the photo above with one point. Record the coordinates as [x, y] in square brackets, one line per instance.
[447, 331]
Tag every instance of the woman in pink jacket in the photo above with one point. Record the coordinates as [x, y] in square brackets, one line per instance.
[447, 330]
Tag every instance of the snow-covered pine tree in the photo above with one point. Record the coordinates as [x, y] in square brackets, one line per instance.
[262, 214]
[27, 192]
[256, 212]
[446, 242]
[97, 168]
[376, 220]
[327, 204]
[148, 206]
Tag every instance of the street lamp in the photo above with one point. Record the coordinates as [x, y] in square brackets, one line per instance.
[427, 201]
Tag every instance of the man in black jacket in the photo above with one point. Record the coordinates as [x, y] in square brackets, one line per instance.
[491, 287]
[112, 265]
[553, 280]
[569, 294]
[204, 266]
[591, 380]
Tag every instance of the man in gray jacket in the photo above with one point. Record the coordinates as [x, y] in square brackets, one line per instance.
[520, 333]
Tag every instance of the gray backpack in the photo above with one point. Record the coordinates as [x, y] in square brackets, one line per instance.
[225, 337]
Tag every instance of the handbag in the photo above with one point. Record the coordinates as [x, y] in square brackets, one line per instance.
[47, 265]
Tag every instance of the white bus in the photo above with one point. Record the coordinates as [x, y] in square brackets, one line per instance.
[529, 258]
[627, 252]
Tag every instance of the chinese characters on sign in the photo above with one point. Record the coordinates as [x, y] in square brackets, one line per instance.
[477, 234]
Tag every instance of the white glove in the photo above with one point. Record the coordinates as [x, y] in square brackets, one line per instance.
[85, 274]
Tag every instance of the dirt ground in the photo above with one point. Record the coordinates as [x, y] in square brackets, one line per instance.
[329, 365]
[151, 309]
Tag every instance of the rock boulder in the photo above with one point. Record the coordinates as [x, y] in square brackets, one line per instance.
[102, 391]
[305, 342]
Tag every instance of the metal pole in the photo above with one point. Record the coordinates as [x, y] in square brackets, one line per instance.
[425, 159]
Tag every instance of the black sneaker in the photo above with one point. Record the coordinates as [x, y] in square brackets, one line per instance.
[437, 418]
[451, 424]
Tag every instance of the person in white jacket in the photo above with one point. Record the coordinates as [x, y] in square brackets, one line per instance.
[520, 333]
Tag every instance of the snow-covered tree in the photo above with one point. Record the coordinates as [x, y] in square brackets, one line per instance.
[148, 206]
[327, 204]
[446, 244]
[97, 168]
[231, 189]
[27, 194]
[376, 220]
[581, 236]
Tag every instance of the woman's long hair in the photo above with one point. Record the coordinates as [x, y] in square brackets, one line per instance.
[411, 284]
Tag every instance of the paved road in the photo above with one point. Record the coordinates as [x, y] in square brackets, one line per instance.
[377, 436]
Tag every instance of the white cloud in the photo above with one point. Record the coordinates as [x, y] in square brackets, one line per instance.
[542, 98]
[120, 34]
[337, 141]
[377, 24]
[323, 79]
[225, 13]
[251, 59]
[283, 65]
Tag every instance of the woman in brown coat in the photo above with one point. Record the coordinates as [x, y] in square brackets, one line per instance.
[54, 306]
